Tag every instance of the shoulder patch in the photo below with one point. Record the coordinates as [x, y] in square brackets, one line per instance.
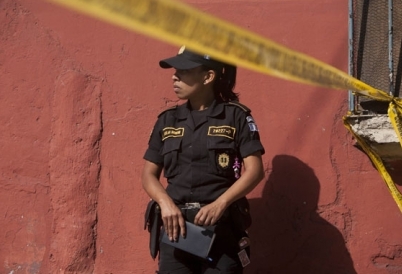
[168, 109]
[237, 104]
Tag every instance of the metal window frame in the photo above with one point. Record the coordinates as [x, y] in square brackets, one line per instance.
[353, 99]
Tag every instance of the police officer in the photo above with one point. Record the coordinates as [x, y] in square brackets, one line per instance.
[202, 146]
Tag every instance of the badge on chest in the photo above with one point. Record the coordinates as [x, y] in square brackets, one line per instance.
[223, 160]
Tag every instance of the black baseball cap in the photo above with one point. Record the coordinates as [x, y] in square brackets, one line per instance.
[186, 59]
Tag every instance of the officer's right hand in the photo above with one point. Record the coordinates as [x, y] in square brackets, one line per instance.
[173, 220]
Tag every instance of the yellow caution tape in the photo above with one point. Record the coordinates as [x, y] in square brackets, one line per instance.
[395, 115]
[395, 193]
[177, 23]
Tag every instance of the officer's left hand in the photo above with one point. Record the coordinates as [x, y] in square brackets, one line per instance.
[209, 214]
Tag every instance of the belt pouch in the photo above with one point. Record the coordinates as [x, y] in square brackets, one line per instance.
[153, 221]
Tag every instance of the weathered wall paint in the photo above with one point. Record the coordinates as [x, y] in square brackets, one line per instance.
[78, 101]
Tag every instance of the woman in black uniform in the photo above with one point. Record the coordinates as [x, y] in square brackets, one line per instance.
[202, 146]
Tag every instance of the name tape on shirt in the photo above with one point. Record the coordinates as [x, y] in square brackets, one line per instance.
[171, 132]
[224, 131]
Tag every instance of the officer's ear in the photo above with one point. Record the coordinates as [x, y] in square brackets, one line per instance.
[209, 77]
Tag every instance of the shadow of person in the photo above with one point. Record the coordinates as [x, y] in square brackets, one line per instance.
[288, 236]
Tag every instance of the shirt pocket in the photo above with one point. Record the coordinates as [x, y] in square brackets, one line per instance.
[222, 154]
[170, 153]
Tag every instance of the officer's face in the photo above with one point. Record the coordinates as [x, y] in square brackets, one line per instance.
[188, 84]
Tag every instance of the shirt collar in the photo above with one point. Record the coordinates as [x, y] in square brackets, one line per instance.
[216, 108]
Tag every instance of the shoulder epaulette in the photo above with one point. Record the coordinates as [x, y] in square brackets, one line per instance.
[168, 109]
[237, 104]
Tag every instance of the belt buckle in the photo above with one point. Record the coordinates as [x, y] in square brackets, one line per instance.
[192, 205]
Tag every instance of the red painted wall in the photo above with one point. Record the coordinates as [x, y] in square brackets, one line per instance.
[78, 101]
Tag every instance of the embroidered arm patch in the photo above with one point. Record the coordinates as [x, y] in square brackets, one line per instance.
[251, 124]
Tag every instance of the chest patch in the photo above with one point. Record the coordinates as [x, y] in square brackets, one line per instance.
[223, 160]
[171, 132]
[224, 131]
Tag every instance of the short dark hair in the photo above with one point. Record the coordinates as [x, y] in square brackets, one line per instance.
[225, 82]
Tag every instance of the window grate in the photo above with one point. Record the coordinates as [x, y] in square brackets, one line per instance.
[373, 60]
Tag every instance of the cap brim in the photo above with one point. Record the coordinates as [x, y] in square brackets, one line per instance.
[178, 62]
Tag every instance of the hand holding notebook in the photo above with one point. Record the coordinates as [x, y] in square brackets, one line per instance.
[198, 240]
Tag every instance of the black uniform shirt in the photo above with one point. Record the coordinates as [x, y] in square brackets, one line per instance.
[202, 159]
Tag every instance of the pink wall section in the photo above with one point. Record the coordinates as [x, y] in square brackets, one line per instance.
[78, 101]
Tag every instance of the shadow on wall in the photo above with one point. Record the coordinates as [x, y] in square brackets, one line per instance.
[288, 235]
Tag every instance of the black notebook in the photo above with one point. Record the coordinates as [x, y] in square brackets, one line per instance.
[198, 240]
